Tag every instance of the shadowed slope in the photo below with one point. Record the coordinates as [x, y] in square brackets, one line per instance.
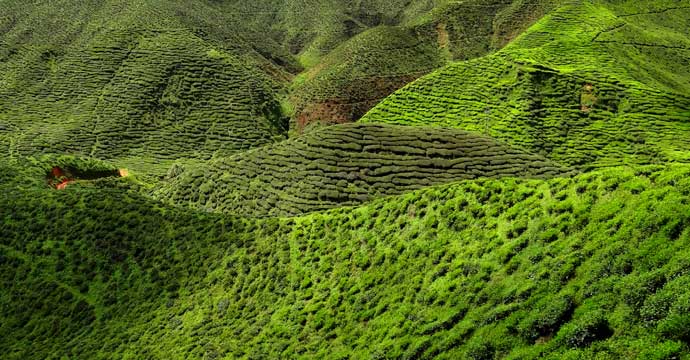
[346, 165]
[145, 81]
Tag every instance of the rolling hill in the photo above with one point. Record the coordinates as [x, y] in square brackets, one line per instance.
[360, 72]
[592, 84]
[141, 82]
[346, 165]
[593, 266]
[191, 179]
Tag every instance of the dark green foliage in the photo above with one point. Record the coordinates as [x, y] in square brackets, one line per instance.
[347, 165]
[550, 314]
[95, 268]
[141, 82]
[583, 331]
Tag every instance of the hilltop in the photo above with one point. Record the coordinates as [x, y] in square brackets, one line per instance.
[346, 165]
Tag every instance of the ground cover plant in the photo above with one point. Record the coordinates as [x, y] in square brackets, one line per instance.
[593, 83]
[346, 165]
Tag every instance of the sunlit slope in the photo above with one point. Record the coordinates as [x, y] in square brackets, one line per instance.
[143, 81]
[591, 84]
[588, 267]
[346, 165]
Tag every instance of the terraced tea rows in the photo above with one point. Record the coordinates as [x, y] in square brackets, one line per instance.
[356, 76]
[362, 71]
[563, 91]
[143, 83]
[466, 240]
[588, 267]
[327, 23]
[346, 165]
[137, 91]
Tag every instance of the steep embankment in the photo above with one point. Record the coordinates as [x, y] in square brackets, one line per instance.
[592, 84]
[588, 267]
[346, 165]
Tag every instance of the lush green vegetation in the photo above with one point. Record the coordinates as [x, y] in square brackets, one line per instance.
[590, 266]
[346, 165]
[363, 70]
[594, 83]
[529, 198]
[141, 82]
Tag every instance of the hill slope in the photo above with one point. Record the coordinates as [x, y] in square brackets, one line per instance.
[462, 236]
[346, 165]
[588, 267]
[137, 81]
[592, 84]
[363, 70]
[146, 82]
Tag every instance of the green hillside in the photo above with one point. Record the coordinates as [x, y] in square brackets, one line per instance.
[327, 23]
[186, 179]
[355, 76]
[591, 84]
[592, 266]
[145, 83]
[142, 82]
[346, 165]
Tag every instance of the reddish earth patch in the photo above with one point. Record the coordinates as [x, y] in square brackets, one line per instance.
[358, 98]
[63, 185]
[59, 178]
[331, 112]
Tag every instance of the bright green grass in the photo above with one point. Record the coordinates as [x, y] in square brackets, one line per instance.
[593, 266]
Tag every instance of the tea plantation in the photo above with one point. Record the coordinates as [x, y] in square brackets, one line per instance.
[346, 165]
[363, 70]
[142, 82]
[592, 84]
[583, 267]
[326, 179]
